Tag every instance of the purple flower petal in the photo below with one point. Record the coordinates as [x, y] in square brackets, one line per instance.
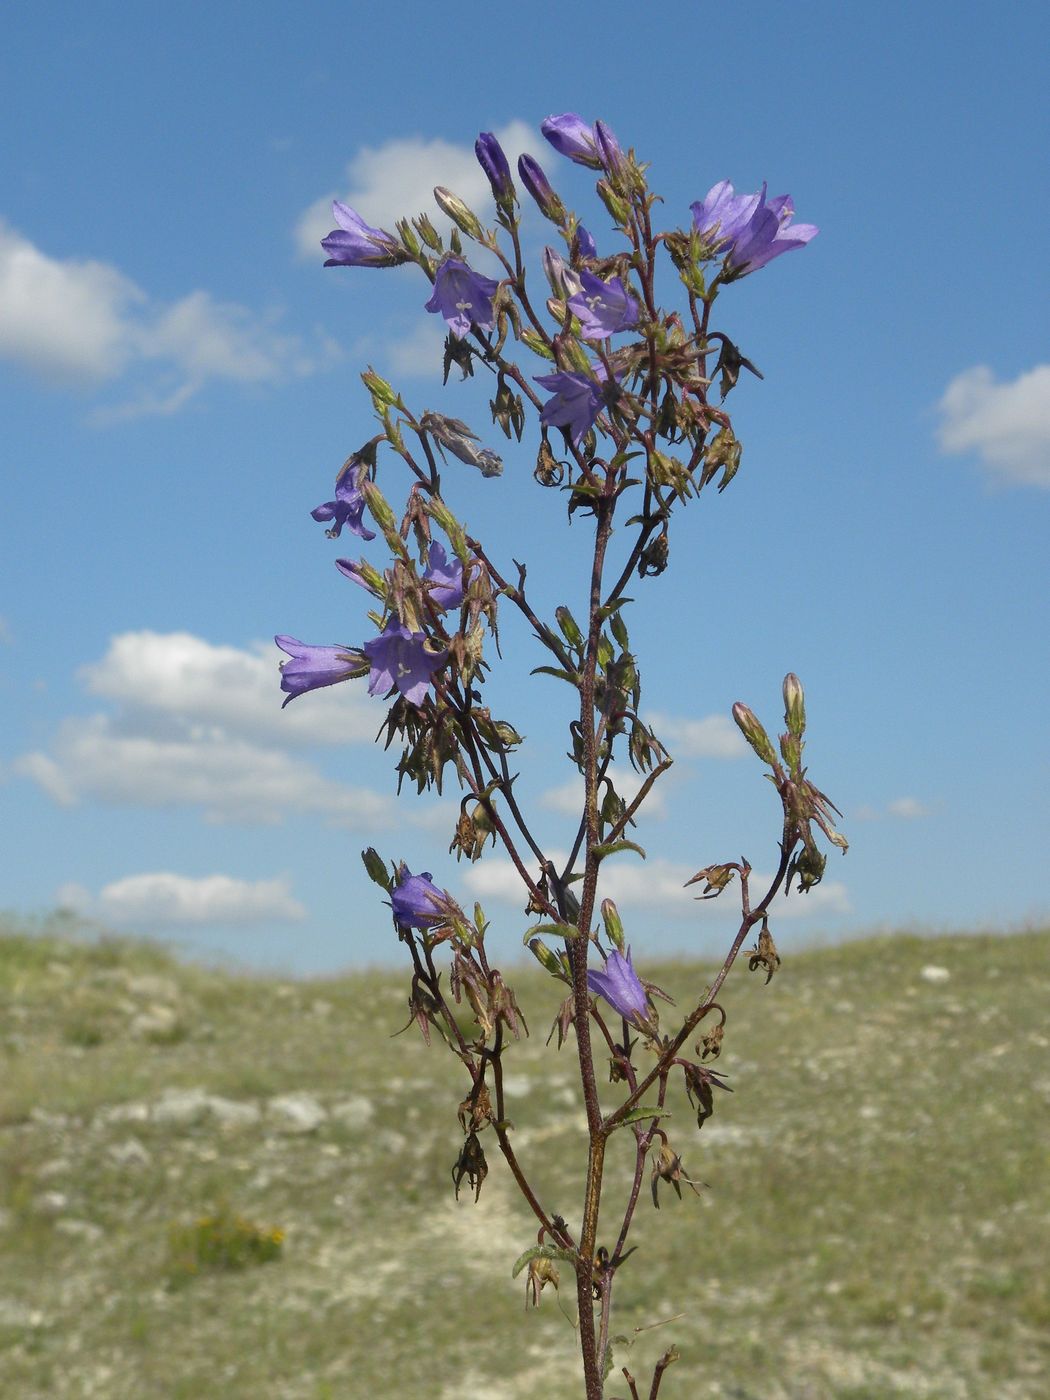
[620, 986]
[463, 297]
[312, 667]
[493, 161]
[399, 660]
[347, 508]
[415, 900]
[749, 229]
[357, 244]
[445, 578]
[577, 401]
[603, 308]
[571, 136]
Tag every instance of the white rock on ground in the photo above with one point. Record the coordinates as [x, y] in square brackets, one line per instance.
[296, 1113]
[932, 973]
[355, 1112]
[180, 1107]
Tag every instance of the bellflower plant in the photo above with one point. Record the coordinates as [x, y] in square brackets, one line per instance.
[640, 437]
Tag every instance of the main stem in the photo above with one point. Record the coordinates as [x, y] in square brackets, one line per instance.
[578, 950]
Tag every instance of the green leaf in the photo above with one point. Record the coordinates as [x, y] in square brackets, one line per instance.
[610, 848]
[643, 1111]
[558, 930]
[376, 868]
[554, 671]
[543, 1251]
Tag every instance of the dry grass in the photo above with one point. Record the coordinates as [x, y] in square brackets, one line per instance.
[877, 1224]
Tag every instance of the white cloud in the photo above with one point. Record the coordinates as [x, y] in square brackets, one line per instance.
[179, 675]
[68, 319]
[713, 736]
[198, 725]
[568, 797]
[1006, 424]
[77, 320]
[165, 899]
[903, 808]
[907, 808]
[396, 180]
[230, 780]
[657, 884]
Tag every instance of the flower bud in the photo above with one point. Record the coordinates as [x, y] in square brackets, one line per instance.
[569, 627]
[457, 211]
[383, 394]
[378, 506]
[794, 705]
[564, 281]
[618, 207]
[409, 241]
[613, 924]
[609, 150]
[547, 958]
[537, 184]
[756, 736]
[428, 233]
[494, 163]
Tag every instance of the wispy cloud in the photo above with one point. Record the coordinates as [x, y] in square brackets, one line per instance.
[155, 676]
[1006, 424]
[198, 725]
[164, 899]
[388, 182]
[899, 808]
[711, 736]
[83, 322]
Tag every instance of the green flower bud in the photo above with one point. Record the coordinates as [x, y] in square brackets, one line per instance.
[457, 211]
[756, 736]
[378, 506]
[618, 207]
[794, 705]
[409, 241]
[383, 394]
[613, 925]
[546, 957]
[569, 627]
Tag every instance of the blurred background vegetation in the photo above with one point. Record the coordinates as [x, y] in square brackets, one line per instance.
[221, 1184]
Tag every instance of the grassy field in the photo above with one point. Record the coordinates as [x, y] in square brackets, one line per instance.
[877, 1223]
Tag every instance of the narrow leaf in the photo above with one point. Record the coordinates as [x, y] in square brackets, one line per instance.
[543, 1251]
[610, 848]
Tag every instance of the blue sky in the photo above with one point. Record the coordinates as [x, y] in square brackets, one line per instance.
[178, 387]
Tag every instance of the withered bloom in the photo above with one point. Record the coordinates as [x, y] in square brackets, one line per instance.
[471, 1164]
[668, 1167]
